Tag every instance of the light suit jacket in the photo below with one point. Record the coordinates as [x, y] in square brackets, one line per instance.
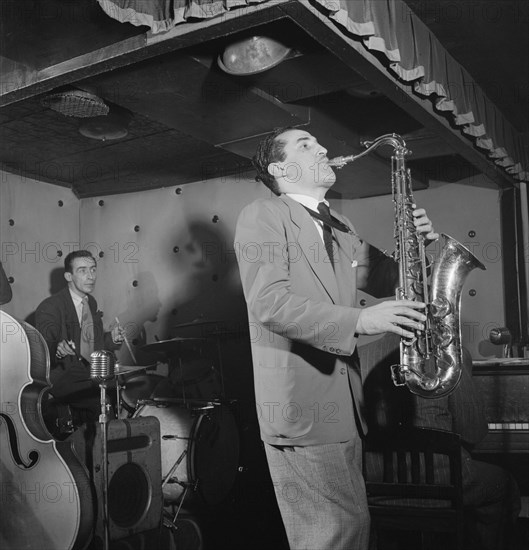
[302, 319]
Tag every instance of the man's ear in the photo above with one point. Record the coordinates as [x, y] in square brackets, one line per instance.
[68, 276]
[275, 169]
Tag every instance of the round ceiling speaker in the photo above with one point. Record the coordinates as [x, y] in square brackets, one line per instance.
[252, 55]
[105, 128]
[76, 103]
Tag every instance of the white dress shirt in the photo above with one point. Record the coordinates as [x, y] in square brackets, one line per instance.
[78, 303]
[312, 203]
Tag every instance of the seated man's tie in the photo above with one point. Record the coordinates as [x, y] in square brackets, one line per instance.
[87, 331]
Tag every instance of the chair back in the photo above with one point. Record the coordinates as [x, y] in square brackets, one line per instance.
[414, 467]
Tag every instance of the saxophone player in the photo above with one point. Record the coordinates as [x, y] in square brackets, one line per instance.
[301, 265]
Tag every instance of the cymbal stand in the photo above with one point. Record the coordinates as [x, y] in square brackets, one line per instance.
[119, 387]
[185, 485]
[221, 368]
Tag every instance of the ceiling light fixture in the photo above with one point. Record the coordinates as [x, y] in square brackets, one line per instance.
[252, 55]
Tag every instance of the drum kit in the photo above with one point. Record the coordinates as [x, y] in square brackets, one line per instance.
[199, 434]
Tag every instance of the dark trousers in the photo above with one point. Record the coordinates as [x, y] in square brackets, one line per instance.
[493, 499]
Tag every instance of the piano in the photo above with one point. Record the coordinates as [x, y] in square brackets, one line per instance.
[504, 387]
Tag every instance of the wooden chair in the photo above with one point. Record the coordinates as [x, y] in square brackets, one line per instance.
[409, 488]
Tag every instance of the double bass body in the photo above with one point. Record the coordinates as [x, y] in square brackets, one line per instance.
[44, 489]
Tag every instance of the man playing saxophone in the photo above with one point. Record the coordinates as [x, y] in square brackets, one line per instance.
[301, 265]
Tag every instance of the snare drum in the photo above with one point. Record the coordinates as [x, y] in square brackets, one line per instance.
[200, 448]
[136, 388]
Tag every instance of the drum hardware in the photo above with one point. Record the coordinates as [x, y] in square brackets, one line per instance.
[166, 346]
[127, 343]
[194, 405]
[182, 530]
[121, 371]
[200, 441]
[198, 322]
[169, 477]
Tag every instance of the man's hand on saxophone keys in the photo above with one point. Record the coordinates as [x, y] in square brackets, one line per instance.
[424, 225]
[398, 316]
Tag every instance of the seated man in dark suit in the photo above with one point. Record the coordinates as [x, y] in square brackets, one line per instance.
[72, 326]
[5, 288]
[489, 492]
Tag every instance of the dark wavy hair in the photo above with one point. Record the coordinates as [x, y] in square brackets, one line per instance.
[68, 261]
[269, 150]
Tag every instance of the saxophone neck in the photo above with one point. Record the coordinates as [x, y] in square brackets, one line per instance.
[396, 141]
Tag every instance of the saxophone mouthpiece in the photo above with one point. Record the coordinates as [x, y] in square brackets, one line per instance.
[336, 162]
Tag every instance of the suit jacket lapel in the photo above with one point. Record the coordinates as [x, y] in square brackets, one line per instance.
[312, 247]
[343, 266]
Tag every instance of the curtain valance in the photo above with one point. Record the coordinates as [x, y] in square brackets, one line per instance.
[413, 54]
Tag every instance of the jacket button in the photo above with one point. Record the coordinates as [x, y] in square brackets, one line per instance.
[342, 370]
[331, 349]
[324, 348]
[338, 350]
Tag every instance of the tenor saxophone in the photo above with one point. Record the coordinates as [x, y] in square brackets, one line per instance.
[430, 362]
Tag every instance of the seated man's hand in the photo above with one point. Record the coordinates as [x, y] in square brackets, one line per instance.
[118, 334]
[64, 348]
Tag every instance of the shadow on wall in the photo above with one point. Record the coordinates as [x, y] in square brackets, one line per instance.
[57, 282]
[143, 306]
[213, 307]
[206, 262]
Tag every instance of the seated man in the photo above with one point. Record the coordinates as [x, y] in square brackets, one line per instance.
[5, 288]
[489, 492]
[72, 326]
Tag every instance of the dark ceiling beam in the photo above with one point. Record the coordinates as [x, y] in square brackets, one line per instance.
[368, 66]
[20, 83]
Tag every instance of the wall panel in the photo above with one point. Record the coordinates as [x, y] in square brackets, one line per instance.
[38, 221]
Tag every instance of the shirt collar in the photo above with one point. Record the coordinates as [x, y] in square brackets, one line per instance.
[77, 300]
[305, 200]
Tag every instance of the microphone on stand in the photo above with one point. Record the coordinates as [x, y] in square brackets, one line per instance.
[102, 364]
[102, 369]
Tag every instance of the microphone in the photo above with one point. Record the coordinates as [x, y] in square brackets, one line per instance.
[102, 365]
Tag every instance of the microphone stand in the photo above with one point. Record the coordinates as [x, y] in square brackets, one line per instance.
[103, 420]
[102, 368]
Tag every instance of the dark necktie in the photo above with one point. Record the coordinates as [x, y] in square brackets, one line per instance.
[325, 212]
[87, 331]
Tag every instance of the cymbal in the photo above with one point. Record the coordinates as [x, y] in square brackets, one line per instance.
[198, 322]
[228, 333]
[127, 369]
[164, 346]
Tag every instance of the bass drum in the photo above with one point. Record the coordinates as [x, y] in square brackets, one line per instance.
[200, 449]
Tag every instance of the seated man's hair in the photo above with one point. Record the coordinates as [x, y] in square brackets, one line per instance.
[68, 261]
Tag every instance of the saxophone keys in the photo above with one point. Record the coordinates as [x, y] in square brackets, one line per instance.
[442, 336]
[440, 307]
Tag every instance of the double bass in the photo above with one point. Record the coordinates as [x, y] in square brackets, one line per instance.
[45, 490]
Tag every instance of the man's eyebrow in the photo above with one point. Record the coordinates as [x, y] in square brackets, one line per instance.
[303, 138]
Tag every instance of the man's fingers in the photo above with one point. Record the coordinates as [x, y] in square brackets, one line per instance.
[403, 314]
[401, 331]
[408, 303]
